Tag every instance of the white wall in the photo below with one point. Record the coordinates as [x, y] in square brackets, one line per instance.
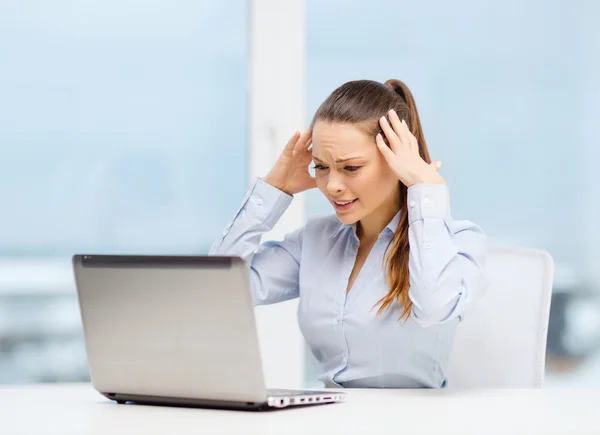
[277, 107]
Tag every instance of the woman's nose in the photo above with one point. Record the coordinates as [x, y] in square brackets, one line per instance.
[334, 183]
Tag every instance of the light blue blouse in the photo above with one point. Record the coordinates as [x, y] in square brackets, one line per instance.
[355, 346]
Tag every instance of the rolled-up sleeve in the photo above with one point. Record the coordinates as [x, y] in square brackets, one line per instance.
[274, 265]
[447, 257]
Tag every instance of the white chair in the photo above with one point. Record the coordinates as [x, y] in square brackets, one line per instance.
[501, 341]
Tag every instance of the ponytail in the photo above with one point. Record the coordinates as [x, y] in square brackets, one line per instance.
[397, 252]
[413, 121]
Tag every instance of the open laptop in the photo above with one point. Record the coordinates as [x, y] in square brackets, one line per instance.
[176, 330]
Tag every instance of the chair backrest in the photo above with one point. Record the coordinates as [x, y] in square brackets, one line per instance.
[501, 341]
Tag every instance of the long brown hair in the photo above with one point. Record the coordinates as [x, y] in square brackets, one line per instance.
[362, 103]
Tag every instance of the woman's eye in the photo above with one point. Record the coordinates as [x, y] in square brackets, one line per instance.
[319, 167]
[352, 168]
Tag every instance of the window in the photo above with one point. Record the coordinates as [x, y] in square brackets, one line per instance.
[507, 96]
[114, 119]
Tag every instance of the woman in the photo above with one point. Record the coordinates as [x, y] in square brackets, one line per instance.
[384, 282]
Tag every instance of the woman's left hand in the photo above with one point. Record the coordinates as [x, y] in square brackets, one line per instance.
[403, 153]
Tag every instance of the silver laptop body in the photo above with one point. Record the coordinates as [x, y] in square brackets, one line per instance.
[176, 330]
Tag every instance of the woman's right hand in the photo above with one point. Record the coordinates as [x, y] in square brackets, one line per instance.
[290, 172]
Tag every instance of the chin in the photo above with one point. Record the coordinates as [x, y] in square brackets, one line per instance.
[347, 219]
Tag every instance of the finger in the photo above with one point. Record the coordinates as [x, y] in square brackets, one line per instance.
[400, 128]
[306, 154]
[385, 150]
[436, 165]
[414, 144]
[304, 140]
[304, 150]
[391, 136]
[289, 147]
[405, 134]
[309, 144]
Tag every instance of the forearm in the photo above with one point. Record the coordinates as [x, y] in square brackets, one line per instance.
[446, 257]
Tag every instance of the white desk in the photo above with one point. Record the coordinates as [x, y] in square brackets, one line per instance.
[78, 409]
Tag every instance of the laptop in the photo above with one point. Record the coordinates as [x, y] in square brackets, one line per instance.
[176, 330]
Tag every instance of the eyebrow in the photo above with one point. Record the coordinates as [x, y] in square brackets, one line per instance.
[339, 160]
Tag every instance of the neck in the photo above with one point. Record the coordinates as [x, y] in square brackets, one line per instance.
[371, 226]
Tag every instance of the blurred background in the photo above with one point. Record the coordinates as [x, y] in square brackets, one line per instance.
[124, 128]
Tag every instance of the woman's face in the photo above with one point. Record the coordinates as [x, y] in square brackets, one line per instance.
[350, 167]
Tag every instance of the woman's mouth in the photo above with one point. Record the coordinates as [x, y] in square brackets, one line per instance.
[344, 205]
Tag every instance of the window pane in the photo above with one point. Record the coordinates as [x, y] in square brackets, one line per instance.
[507, 95]
[116, 117]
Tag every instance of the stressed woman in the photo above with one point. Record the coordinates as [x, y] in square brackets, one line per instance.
[383, 282]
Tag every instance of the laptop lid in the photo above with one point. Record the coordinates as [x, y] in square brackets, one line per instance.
[172, 326]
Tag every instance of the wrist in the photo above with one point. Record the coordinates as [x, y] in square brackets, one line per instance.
[428, 179]
[277, 186]
[272, 182]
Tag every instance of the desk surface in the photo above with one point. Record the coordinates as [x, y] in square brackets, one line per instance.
[78, 409]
